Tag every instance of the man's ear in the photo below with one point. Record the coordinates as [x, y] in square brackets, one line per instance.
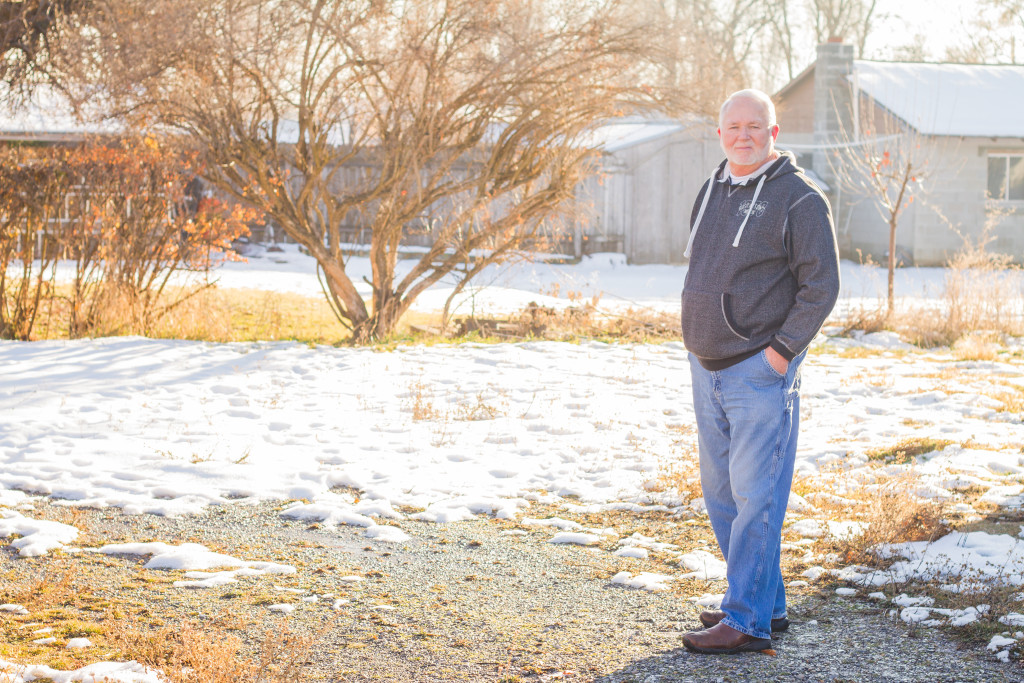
[775, 132]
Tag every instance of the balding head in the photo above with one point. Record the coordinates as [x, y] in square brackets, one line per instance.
[752, 95]
[747, 131]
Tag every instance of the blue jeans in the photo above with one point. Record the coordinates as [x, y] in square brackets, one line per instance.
[748, 416]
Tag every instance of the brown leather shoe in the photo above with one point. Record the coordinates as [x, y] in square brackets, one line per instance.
[724, 640]
[711, 618]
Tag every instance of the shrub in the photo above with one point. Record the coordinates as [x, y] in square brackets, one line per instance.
[125, 217]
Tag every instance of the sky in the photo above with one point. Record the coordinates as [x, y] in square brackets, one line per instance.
[939, 23]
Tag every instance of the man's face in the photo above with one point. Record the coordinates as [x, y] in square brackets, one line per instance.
[746, 137]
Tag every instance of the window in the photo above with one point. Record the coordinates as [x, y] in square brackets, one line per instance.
[1006, 177]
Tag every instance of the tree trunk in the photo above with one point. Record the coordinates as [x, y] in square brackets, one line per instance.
[383, 322]
[353, 309]
[892, 262]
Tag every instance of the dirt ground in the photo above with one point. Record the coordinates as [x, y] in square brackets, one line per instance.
[477, 601]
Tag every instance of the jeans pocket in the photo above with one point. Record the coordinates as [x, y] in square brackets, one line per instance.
[771, 368]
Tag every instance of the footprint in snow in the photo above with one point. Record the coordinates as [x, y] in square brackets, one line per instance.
[242, 414]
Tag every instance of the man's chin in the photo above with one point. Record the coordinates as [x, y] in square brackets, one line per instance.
[747, 159]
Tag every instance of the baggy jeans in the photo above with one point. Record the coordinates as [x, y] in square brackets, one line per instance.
[748, 416]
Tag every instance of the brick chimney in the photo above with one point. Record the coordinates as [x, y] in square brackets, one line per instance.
[833, 110]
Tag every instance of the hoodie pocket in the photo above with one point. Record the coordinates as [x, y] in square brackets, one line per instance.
[707, 328]
[730, 319]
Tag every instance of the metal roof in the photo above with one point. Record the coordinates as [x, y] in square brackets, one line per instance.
[975, 100]
[46, 115]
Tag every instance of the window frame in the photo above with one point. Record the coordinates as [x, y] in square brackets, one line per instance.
[1007, 156]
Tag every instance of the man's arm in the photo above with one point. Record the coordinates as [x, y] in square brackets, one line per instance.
[814, 262]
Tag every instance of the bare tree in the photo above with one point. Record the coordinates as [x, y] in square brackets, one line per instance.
[711, 47]
[27, 31]
[1011, 12]
[719, 47]
[784, 34]
[995, 34]
[849, 19]
[889, 166]
[462, 120]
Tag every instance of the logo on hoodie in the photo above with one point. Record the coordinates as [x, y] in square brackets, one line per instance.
[758, 211]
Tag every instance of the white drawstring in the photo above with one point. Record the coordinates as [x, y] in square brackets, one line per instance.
[700, 214]
[739, 233]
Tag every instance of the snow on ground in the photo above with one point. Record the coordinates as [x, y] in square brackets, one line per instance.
[170, 427]
[113, 672]
[604, 277]
[195, 558]
[440, 434]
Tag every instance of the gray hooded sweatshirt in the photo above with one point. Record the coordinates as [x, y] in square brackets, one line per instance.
[764, 268]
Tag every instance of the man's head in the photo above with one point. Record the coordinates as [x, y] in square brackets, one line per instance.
[747, 130]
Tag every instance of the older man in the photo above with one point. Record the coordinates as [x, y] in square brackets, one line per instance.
[763, 276]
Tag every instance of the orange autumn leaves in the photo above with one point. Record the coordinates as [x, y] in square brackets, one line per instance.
[124, 217]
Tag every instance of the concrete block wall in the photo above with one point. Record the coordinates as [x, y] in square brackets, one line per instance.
[833, 112]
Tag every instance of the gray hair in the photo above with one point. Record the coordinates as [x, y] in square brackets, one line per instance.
[749, 94]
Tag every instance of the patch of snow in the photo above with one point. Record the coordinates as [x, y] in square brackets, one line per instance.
[38, 537]
[703, 566]
[575, 538]
[386, 534]
[644, 580]
[111, 672]
[283, 608]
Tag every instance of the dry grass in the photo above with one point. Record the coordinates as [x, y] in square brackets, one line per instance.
[252, 315]
[681, 471]
[907, 450]
[51, 589]
[77, 597]
[633, 325]
[420, 402]
[893, 516]
[189, 653]
[982, 300]
[217, 315]
[1012, 398]
[479, 408]
[233, 315]
[889, 508]
[978, 346]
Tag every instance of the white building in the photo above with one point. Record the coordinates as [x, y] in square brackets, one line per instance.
[966, 122]
[640, 203]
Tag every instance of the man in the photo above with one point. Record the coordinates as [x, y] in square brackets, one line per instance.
[763, 276]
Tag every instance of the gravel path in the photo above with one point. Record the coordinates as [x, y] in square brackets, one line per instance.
[473, 602]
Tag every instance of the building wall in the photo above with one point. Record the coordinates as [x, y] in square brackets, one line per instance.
[645, 196]
[949, 209]
[795, 111]
[956, 206]
[952, 203]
